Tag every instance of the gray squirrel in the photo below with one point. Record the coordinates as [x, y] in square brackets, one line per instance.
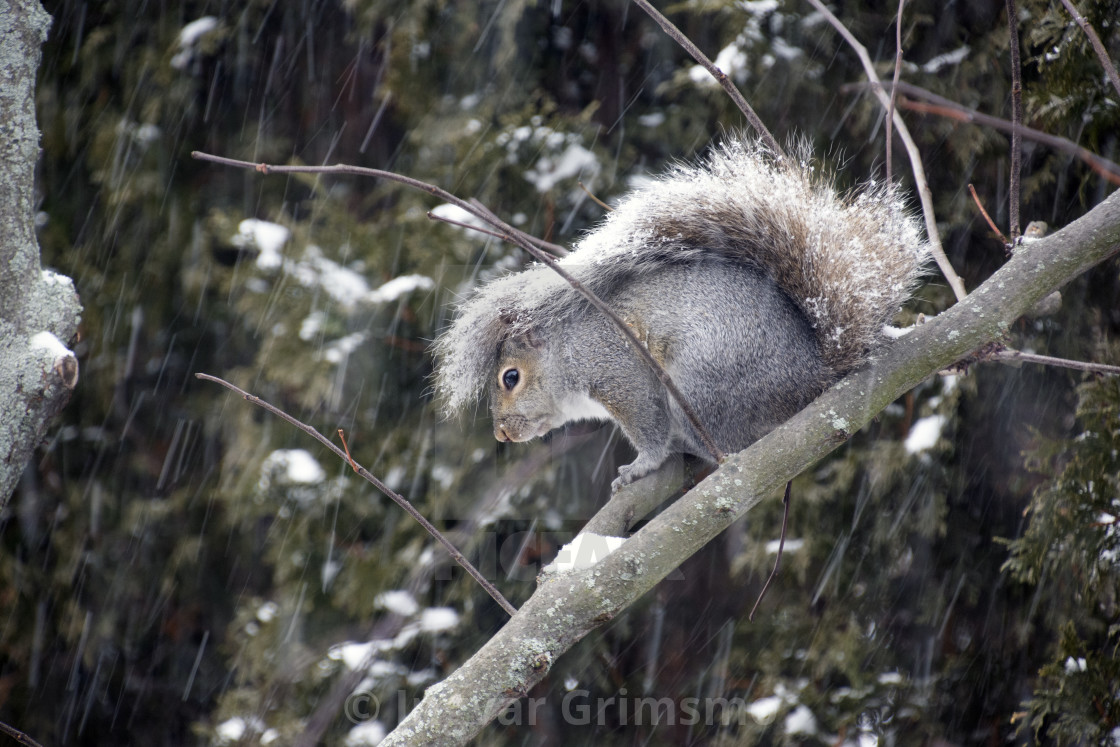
[750, 280]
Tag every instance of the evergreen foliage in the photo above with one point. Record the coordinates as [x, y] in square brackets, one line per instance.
[174, 568]
[1072, 540]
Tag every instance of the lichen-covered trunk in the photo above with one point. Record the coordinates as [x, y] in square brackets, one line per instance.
[39, 310]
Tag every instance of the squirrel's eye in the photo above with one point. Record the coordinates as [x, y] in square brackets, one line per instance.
[510, 377]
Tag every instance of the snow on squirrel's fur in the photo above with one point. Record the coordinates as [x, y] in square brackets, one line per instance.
[740, 202]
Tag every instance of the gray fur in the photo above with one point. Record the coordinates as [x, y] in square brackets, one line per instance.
[753, 282]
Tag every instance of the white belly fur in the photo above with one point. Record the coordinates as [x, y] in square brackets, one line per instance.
[582, 407]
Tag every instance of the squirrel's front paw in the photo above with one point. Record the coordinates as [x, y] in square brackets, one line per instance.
[624, 478]
[636, 470]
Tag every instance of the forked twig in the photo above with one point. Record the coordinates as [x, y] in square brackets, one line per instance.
[342, 437]
[720, 76]
[778, 559]
[924, 193]
[991, 223]
[460, 224]
[395, 497]
[514, 236]
[553, 249]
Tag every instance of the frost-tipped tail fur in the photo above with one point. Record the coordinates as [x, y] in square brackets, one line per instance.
[848, 262]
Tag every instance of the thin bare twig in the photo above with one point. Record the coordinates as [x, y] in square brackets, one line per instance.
[720, 76]
[924, 194]
[1016, 119]
[514, 236]
[1098, 47]
[897, 72]
[554, 249]
[342, 437]
[395, 497]
[778, 559]
[991, 223]
[1007, 354]
[468, 226]
[999, 353]
[18, 735]
[595, 199]
[944, 107]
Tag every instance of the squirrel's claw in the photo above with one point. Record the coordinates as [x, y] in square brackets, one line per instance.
[634, 471]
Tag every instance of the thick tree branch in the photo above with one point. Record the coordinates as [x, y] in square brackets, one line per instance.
[567, 607]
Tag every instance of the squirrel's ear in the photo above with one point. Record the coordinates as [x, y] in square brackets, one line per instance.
[532, 338]
[513, 327]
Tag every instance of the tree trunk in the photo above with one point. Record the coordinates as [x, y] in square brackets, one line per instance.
[39, 309]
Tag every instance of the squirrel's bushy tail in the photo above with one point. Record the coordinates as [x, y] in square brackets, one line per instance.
[847, 261]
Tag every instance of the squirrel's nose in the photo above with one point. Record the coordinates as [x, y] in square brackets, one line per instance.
[501, 435]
